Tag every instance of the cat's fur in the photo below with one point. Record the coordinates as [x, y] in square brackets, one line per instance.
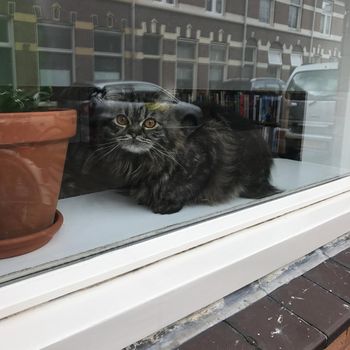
[178, 163]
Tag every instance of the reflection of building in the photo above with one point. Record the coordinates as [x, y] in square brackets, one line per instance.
[175, 43]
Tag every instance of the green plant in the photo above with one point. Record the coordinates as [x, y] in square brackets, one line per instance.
[17, 100]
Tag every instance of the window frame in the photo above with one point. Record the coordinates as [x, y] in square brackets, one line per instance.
[223, 64]
[111, 54]
[300, 11]
[271, 12]
[181, 278]
[193, 61]
[213, 7]
[252, 63]
[326, 15]
[58, 50]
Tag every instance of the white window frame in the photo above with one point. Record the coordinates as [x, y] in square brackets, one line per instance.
[119, 297]
[213, 7]
[111, 54]
[327, 16]
[58, 50]
[300, 10]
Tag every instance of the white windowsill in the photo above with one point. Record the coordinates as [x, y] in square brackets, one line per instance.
[95, 303]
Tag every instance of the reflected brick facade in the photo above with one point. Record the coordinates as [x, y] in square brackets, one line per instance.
[187, 20]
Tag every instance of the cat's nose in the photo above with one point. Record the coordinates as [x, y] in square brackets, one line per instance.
[133, 135]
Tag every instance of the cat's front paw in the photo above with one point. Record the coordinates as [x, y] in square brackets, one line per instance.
[166, 207]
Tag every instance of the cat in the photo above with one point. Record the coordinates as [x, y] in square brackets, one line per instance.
[166, 161]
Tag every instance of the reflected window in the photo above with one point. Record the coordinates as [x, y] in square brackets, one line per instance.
[171, 2]
[265, 7]
[296, 59]
[313, 83]
[108, 55]
[326, 16]
[249, 61]
[218, 58]
[5, 53]
[275, 63]
[186, 56]
[151, 44]
[294, 14]
[151, 61]
[216, 6]
[55, 55]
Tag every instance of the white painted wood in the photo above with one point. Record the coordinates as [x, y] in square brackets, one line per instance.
[56, 283]
[122, 310]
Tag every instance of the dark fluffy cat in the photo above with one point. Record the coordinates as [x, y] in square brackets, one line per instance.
[166, 162]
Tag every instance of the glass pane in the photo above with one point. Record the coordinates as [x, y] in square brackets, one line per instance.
[275, 57]
[250, 54]
[151, 45]
[219, 6]
[107, 42]
[264, 11]
[327, 6]
[210, 5]
[184, 77]
[312, 83]
[55, 69]
[218, 53]
[174, 126]
[186, 50]
[296, 59]
[216, 73]
[3, 30]
[54, 37]
[293, 16]
[107, 68]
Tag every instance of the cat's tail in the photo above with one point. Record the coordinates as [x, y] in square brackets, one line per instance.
[264, 189]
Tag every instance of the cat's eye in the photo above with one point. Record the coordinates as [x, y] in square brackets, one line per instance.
[121, 120]
[150, 123]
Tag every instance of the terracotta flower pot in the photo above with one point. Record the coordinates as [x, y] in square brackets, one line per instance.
[33, 148]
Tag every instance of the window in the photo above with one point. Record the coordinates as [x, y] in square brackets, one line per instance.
[55, 55]
[326, 17]
[186, 56]
[108, 55]
[275, 63]
[5, 53]
[265, 11]
[216, 6]
[250, 60]
[296, 59]
[151, 45]
[171, 2]
[218, 58]
[294, 15]
[184, 101]
[152, 59]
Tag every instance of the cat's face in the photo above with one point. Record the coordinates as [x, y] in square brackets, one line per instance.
[137, 127]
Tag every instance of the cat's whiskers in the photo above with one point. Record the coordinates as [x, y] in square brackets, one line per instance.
[105, 147]
[162, 151]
